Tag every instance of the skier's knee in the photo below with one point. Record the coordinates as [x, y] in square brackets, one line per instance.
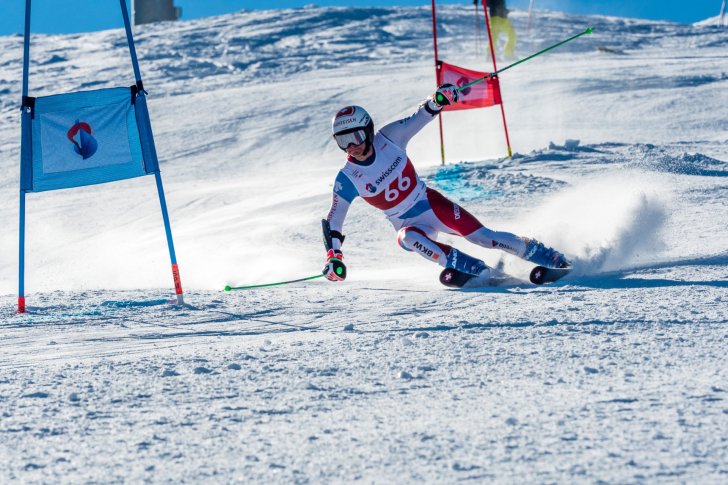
[405, 237]
[416, 240]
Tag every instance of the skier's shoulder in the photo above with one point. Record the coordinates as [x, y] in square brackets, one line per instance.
[344, 185]
[381, 141]
[347, 171]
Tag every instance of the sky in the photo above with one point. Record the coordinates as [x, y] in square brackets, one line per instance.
[55, 17]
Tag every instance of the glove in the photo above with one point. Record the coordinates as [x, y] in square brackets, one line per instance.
[445, 95]
[335, 269]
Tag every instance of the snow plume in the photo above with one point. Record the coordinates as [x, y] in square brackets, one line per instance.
[606, 225]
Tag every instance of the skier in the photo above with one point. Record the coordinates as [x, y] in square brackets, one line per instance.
[379, 171]
[499, 22]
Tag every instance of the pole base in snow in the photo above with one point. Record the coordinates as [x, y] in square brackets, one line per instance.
[21, 304]
[180, 300]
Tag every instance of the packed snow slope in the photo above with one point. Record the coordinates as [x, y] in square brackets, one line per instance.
[614, 375]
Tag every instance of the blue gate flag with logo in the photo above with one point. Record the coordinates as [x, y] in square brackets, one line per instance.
[86, 138]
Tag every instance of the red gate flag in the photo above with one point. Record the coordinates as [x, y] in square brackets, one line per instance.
[481, 95]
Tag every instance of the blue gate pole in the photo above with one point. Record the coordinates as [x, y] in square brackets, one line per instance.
[130, 41]
[21, 242]
[26, 48]
[149, 151]
[170, 243]
[21, 268]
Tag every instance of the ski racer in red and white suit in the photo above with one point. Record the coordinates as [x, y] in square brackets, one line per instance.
[379, 171]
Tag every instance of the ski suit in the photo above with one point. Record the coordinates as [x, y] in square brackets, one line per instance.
[499, 22]
[388, 181]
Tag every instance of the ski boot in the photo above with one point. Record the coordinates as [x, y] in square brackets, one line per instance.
[552, 265]
[540, 255]
[464, 271]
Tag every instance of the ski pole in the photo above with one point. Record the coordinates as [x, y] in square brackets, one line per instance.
[441, 98]
[228, 288]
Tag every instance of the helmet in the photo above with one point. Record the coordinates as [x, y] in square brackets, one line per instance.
[355, 122]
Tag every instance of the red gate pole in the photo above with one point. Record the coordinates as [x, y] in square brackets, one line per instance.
[492, 53]
[437, 77]
[477, 28]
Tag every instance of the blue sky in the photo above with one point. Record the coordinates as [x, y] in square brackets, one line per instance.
[53, 16]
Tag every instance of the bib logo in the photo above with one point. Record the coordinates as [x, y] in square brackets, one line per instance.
[371, 188]
[86, 145]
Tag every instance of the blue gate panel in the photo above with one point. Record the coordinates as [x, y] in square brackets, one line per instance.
[83, 138]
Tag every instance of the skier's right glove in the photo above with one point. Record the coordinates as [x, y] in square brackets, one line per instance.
[446, 95]
[335, 269]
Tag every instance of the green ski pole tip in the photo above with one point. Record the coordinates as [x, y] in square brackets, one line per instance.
[227, 288]
[590, 30]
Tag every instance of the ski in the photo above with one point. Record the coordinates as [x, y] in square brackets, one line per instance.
[541, 275]
[453, 278]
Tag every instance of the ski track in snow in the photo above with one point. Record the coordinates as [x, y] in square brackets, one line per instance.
[615, 374]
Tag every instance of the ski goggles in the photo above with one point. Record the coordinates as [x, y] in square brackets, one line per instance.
[355, 137]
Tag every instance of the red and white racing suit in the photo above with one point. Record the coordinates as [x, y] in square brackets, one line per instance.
[388, 181]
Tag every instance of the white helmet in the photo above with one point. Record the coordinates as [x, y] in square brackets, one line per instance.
[352, 125]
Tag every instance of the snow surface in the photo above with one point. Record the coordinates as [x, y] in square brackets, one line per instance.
[713, 21]
[614, 375]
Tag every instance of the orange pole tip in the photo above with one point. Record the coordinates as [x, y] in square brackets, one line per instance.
[177, 285]
[177, 280]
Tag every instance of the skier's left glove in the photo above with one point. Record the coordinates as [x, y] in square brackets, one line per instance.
[335, 269]
[445, 95]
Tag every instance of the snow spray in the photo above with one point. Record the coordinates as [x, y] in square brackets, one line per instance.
[606, 225]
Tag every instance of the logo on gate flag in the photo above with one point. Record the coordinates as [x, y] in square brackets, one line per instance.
[86, 145]
[85, 138]
[462, 82]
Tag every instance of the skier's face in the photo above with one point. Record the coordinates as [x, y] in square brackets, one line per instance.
[356, 150]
